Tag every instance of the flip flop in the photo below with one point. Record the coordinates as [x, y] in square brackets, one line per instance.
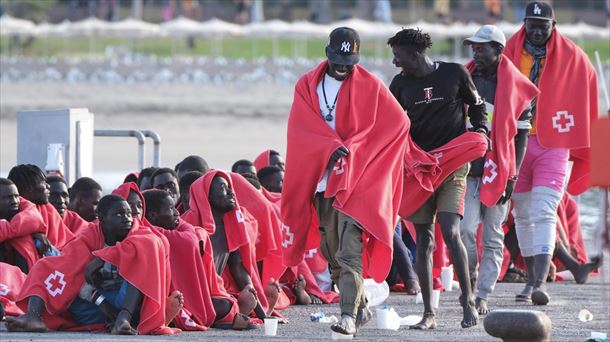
[229, 326]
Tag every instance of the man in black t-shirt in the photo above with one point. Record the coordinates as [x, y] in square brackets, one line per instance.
[434, 95]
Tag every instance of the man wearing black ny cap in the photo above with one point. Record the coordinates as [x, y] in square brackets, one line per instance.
[347, 138]
[562, 115]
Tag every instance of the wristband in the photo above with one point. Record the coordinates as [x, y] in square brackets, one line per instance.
[99, 300]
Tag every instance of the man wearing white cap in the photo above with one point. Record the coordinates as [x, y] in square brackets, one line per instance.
[491, 181]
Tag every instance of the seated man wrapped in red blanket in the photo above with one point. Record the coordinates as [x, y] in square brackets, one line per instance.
[206, 301]
[113, 273]
[233, 233]
[20, 224]
[32, 185]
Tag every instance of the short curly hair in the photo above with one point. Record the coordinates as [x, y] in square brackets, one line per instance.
[411, 37]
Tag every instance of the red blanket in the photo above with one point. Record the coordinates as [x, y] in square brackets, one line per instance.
[240, 230]
[124, 190]
[57, 280]
[194, 275]
[269, 226]
[57, 232]
[567, 104]
[425, 172]
[514, 92]
[11, 280]
[273, 197]
[373, 126]
[74, 222]
[17, 232]
[141, 259]
[262, 160]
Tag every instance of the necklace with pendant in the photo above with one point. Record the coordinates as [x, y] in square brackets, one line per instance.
[329, 116]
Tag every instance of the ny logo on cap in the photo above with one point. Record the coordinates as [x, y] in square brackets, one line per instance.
[345, 46]
[537, 10]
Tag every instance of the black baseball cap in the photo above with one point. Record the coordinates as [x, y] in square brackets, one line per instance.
[539, 10]
[343, 46]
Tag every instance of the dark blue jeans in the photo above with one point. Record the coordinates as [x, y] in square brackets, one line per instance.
[87, 313]
[402, 263]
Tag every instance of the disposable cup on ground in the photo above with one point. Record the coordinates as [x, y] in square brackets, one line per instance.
[447, 278]
[585, 315]
[270, 326]
[435, 297]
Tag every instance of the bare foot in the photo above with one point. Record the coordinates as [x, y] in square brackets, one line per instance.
[471, 316]
[173, 305]
[272, 292]
[24, 323]
[299, 291]
[315, 300]
[427, 322]
[581, 275]
[246, 300]
[481, 305]
[526, 294]
[122, 326]
[412, 287]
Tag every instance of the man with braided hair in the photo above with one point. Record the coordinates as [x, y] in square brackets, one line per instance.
[434, 94]
[32, 185]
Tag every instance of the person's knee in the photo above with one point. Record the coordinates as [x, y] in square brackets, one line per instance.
[349, 259]
[544, 208]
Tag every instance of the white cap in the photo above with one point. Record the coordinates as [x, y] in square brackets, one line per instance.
[486, 34]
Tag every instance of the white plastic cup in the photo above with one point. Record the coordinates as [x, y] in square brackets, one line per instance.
[585, 315]
[447, 277]
[270, 326]
[435, 297]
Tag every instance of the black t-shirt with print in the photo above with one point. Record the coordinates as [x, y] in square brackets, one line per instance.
[435, 104]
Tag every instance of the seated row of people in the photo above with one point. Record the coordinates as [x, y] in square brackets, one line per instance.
[206, 267]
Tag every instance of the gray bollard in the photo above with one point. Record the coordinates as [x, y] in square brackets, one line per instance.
[518, 325]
